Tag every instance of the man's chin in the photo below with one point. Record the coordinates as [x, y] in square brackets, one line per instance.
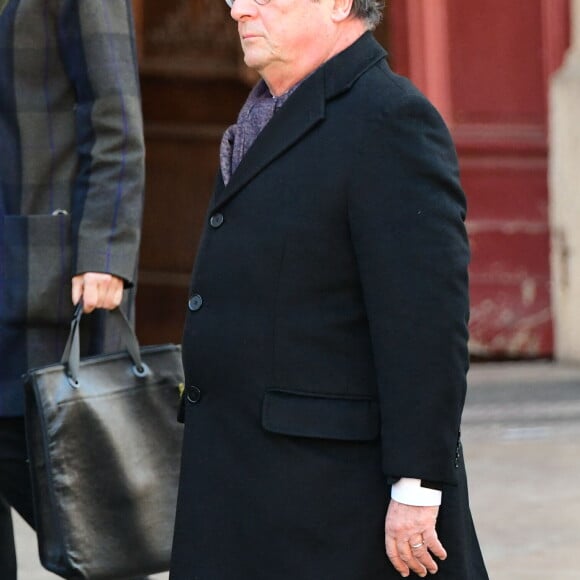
[254, 62]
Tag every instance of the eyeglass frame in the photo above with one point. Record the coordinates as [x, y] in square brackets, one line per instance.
[230, 3]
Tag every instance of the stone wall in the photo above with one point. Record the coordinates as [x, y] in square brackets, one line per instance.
[565, 199]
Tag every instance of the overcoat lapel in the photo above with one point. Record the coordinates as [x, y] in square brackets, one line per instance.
[304, 109]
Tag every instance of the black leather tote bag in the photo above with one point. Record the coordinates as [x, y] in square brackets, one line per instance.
[104, 448]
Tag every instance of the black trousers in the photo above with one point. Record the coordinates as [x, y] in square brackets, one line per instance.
[15, 491]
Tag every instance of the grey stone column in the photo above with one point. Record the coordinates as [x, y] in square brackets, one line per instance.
[564, 177]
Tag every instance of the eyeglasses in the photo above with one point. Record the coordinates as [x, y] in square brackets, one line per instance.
[230, 3]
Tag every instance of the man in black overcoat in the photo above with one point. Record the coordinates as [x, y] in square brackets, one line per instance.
[325, 347]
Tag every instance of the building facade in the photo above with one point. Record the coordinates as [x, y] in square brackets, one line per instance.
[486, 65]
[565, 199]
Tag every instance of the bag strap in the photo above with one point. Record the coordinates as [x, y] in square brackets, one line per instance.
[72, 351]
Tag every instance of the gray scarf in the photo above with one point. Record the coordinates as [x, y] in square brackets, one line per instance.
[256, 113]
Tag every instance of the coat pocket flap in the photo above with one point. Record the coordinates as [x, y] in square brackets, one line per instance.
[320, 416]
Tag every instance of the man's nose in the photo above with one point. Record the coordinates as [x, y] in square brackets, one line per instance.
[243, 8]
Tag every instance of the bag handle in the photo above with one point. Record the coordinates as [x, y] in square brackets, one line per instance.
[72, 351]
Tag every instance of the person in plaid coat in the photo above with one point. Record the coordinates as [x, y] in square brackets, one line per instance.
[71, 192]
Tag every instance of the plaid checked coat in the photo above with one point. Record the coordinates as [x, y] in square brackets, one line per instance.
[71, 171]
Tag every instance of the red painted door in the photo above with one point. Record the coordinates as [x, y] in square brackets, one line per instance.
[486, 65]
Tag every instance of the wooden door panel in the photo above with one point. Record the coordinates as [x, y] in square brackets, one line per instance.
[504, 326]
[495, 55]
[175, 213]
[193, 85]
[508, 191]
[486, 66]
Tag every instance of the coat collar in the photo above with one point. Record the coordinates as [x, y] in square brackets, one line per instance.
[304, 109]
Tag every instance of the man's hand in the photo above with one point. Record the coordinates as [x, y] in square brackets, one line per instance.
[410, 539]
[97, 290]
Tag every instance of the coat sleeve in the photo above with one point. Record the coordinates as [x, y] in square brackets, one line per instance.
[96, 42]
[406, 212]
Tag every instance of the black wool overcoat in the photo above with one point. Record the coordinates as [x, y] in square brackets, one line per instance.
[325, 344]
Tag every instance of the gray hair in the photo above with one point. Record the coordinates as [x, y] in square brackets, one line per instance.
[369, 11]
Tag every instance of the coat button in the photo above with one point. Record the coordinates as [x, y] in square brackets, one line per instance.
[216, 220]
[193, 395]
[195, 303]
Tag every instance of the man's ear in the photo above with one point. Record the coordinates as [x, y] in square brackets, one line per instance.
[341, 10]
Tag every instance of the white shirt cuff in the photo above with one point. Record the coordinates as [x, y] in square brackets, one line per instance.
[409, 491]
